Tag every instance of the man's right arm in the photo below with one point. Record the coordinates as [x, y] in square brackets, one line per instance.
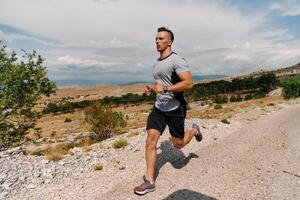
[149, 89]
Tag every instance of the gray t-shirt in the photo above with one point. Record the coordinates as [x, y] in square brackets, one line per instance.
[162, 72]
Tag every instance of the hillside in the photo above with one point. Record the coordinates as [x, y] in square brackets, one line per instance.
[290, 69]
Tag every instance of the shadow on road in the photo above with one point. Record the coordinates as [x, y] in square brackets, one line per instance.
[185, 194]
[172, 155]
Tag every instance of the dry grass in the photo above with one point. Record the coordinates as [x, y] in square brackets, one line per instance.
[211, 113]
[132, 133]
[85, 145]
[119, 143]
[55, 125]
[230, 109]
[98, 167]
[55, 153]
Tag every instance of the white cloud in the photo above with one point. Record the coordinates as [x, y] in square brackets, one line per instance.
[285, 54]
[287, 7]
[9, 37]
[70, 60]
[117, 37]
[276, 35]
[239, 57]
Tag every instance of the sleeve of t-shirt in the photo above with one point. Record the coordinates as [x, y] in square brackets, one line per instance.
[180, 65]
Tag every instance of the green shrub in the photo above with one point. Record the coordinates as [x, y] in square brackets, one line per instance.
[258, 96]
[218, 99]
[291, 87]
[239, 98]
[103, 121]
[120, 119]
[225, 121]
[225, 99]
[68, 120]
[51, 108]
[291, 90]
[248, 97]
[218, 106]
[119, 143]
[233, 98]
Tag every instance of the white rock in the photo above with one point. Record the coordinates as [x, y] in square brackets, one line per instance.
[31, 186]
[44, 161]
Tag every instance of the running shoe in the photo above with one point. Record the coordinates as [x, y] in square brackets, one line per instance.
[144, 188]
[198, 134]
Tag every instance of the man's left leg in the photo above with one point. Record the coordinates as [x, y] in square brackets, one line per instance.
[179, 137]
[181, 142]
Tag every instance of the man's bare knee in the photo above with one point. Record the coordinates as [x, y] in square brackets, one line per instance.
[152, 139]
[150, 144]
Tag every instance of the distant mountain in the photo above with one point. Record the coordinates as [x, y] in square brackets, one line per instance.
[79, 82]
[76, 82]
[195, 78]
[207, 77]
[288, 69]
[134, 83]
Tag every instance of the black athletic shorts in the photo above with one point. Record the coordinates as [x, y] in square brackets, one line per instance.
[174, 119]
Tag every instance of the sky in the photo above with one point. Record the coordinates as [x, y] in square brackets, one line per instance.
[113, 41]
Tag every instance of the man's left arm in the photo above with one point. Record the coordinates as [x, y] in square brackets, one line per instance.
[186, 83]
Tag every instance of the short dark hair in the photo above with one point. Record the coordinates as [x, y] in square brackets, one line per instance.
[160, 29]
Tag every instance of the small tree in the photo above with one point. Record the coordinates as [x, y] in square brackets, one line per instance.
[248, 97]
[22, 83]
[239, 98]
[225, 99]
[233, 98]
[102, 121]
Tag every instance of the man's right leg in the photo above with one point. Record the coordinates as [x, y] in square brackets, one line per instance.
[156, 124]
[151, 142]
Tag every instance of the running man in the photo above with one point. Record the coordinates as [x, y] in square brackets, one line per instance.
[173, 77]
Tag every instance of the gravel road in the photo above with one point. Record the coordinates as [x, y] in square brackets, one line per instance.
[261, 160]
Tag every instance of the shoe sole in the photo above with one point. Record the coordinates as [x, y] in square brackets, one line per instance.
[144, 192]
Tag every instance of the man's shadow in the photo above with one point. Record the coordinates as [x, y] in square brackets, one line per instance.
[188, 194]
[172, 155]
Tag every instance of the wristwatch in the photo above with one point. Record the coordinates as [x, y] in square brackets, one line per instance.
[165, 89]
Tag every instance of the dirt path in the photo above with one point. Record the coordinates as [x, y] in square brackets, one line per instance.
[261, 160]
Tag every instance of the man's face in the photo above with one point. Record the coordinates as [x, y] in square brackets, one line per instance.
[163, 41]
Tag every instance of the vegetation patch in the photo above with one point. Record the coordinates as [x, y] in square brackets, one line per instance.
[98, 167]
[225, 121]
[218, 106]
[291, 87]
[119, 143]
[102, 121]
[68, 120]
[56, 152]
